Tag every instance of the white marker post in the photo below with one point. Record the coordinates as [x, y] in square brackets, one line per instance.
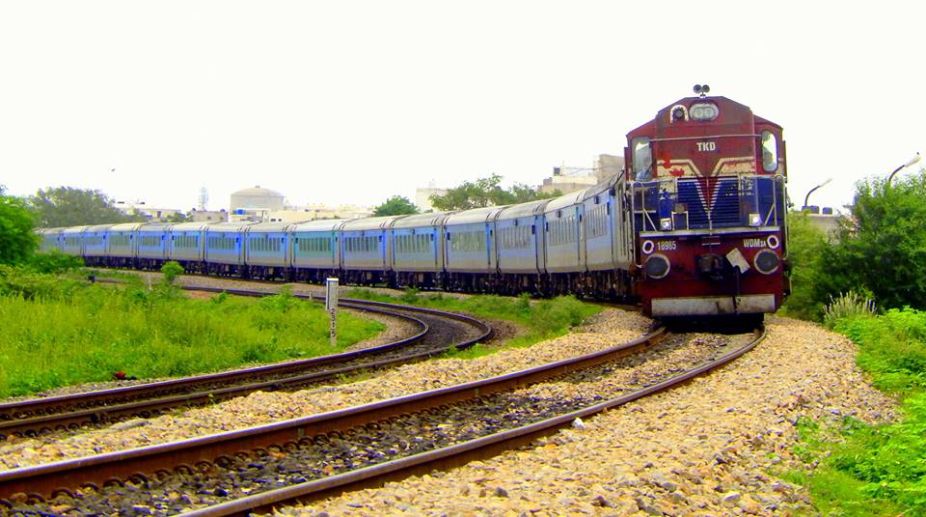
[331, 305]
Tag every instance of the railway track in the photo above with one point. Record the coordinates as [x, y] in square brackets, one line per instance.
[310, 457]
[437, 332]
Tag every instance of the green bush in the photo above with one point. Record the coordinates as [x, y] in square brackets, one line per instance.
[54, 262]
[540, 319]
[17, 240]
[805, 249]
[28, 284]
[58, 332]
[847, 305]
[882, 248]
[876, 470]
[171, 270]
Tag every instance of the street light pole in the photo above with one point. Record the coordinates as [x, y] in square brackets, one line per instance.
[811, 191]
[902, 167]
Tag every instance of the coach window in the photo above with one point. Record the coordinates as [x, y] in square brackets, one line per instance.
[642, 158]
[769, 151]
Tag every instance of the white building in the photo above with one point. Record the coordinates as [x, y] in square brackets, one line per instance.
[254, 204]
[149, 213]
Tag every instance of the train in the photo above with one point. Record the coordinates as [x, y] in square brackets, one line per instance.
[695, 225]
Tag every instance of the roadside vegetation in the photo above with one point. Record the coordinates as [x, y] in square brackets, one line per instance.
[868, 282]
[59, 330]
[539, 319]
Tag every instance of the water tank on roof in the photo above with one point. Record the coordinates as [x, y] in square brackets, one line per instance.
[256, 197]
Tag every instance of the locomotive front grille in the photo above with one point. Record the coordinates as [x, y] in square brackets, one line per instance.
[717, 198]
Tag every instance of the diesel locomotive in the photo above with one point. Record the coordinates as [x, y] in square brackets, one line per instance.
[694, 226]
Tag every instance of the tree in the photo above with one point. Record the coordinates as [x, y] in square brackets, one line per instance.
[486, 192]
[882, 247]
[17, 239]
[396, 205]
[806, 245]
[66, 206]
[177, 217]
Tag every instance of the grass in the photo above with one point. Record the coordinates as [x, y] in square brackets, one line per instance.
[57, 332]
[874, 470]
[539, 319]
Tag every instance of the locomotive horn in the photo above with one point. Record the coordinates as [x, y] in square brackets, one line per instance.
[702, 89]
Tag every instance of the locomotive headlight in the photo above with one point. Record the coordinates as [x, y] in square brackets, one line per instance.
[703, 111]
[766, 262]
[656, 266]
[755, 220]
[665, 224]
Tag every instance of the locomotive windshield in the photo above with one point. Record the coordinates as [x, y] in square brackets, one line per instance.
[642, 158]
[769, 151]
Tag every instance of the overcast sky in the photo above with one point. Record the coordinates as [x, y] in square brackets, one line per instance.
[352, 102]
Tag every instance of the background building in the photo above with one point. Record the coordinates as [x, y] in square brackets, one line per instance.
[571, 179]
[313, 212]
[208, 216]
[254, 204]
[149, 213]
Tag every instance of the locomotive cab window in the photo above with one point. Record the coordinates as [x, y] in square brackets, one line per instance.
[769, 151]
[642, 158]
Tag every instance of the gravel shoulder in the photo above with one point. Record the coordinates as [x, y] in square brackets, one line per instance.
[711, 447]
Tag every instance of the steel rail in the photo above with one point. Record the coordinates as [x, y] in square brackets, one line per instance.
[107, 404]
[42, 481]
[448, 457]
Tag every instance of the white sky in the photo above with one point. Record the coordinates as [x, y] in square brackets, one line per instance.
[352, 102]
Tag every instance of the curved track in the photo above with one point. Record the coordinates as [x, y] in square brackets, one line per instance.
[333, 436]
[438, 331]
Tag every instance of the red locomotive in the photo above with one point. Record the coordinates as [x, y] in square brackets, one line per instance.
[706, 179]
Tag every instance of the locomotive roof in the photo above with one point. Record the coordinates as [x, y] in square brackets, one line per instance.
[74, 229]
[730, 113]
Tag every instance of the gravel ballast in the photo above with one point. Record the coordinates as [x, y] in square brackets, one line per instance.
[711, 447]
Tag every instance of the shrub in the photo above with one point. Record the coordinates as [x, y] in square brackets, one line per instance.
[171, 270]
[17, 240]
[49, 341]
[882, 248]
[54, 262]
[805, 248]
[847, 305]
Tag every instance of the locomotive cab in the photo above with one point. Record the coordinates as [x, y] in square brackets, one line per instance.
[707, 190]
